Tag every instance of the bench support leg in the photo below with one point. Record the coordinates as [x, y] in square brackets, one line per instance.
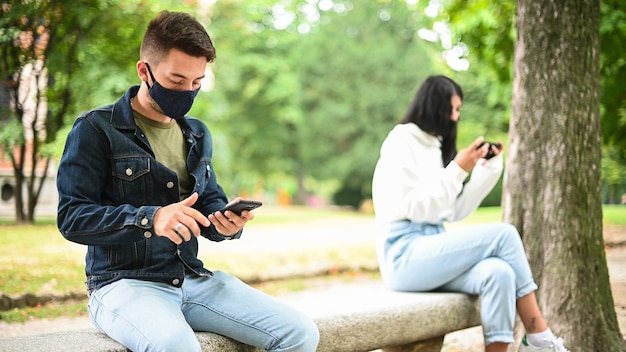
[432, 345]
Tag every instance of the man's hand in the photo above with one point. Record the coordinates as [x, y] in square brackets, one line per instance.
[179, 221]
[230, 223]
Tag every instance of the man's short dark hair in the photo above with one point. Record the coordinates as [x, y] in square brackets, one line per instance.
[169, 30]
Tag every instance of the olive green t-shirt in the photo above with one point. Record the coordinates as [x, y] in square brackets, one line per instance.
[168, 144]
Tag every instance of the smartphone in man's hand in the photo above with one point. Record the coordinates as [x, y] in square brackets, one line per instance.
[241, 205]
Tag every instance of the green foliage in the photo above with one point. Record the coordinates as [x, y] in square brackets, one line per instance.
[11, 135]
[358, 69]
[311, 92]
[613, 71]
[613, 175]
[303, 94]
[79, 44]
[293, 100]
[90, 53]
[94, 58]
[487, 28]
[85, 39]
[478, 118]
[254, 106]
[494, 198]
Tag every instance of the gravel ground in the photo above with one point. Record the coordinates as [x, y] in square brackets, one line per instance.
[332, 233]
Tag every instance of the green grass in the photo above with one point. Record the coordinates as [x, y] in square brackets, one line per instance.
[47, 311]
[37, 259]
[611, 215]
[295, 214]
[614, 215]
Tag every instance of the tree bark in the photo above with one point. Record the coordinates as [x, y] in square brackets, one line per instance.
[552, 185]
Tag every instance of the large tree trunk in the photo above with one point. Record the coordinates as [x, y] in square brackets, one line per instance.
[552, 184]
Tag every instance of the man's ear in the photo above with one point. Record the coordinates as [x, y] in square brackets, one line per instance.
[142, 71]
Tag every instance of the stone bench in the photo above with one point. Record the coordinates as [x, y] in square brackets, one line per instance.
[351, 317]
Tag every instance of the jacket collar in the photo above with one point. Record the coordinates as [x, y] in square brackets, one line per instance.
[122, 117]
[122, 114]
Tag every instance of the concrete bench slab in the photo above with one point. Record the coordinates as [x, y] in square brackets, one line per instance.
[351, 317]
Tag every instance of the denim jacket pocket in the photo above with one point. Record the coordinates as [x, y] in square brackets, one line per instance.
[129, 183]
[130, 168]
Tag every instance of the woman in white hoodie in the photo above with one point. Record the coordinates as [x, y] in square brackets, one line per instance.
[418, 184]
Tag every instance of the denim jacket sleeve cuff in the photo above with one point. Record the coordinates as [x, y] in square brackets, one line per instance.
[212, 234]
[235, 236]
[145, 217]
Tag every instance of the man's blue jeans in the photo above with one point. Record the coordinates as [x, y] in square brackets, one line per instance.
[487, 260]
[150, 316]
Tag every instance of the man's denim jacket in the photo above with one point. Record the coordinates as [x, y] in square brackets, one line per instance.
[110, 186]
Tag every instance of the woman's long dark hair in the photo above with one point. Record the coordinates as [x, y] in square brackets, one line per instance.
[431, 110]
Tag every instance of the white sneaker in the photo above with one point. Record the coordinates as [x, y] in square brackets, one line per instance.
[555, 345]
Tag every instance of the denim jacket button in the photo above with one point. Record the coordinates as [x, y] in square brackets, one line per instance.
[170, 184]
[175, 282]
[144, 221]
[129, 172]
[147, 234]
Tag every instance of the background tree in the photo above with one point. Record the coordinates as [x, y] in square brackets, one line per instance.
[303, 87]
[306, 91]
[552, 188]
[303, 95]
[23, 43]
[73, 47]
[253, 109]
[358, 70]
[487, 29]
[613, 72]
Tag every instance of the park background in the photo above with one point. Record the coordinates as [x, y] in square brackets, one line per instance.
[300, 97]
[299, 100]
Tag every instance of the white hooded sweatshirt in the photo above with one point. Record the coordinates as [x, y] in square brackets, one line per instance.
[410, 182]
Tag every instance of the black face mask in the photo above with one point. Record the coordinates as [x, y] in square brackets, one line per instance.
[173, 103]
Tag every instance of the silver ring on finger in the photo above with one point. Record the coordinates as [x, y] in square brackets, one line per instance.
[177, 227]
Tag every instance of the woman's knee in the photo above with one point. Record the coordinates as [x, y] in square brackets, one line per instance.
[501, 276]
[508, 230]
[510, 236]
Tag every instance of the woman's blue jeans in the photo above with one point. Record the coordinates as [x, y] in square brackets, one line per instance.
[487, 260]
[150, 316]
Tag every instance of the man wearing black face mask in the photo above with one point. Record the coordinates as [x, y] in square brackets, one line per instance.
[170, 102]
[136, 183]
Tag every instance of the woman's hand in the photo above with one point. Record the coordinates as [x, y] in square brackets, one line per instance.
[468, 158]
